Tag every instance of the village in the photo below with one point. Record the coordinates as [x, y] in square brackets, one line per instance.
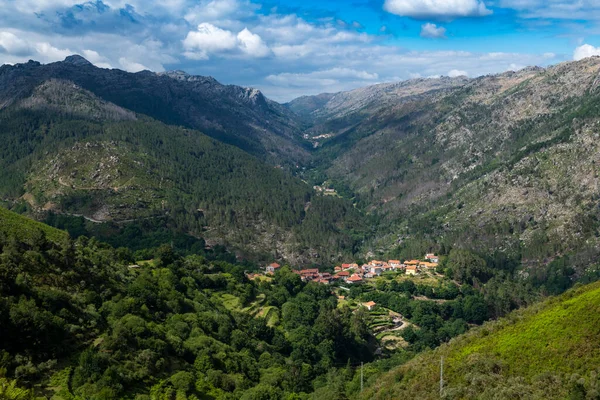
[353, 274]
[386, 325]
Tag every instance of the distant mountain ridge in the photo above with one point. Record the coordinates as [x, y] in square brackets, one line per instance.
[68, 151]
[505, 161]
[240, 116]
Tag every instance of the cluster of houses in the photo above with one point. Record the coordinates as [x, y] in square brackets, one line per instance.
[355, 274]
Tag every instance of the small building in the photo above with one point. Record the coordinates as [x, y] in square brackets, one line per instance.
[428, 265]
[369, 305]
[271, 268]
[344, 275]
[337, 269]
[412, 270]
[432, 257]
[355, 279]
[394, 264]
[376, 270]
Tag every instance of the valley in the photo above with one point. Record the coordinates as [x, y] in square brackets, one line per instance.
[164, 236]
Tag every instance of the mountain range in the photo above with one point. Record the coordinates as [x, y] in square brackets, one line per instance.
[498, 164]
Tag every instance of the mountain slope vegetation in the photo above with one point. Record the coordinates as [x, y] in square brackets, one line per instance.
[504, 161]
[25, 229]
[79, 320]
[243, 117]
[547, 351]
[69, 152]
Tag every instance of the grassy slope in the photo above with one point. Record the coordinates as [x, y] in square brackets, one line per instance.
[24, 228]
[535, 350]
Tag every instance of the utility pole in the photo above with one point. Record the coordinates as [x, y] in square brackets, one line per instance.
[361, 377]
[441, 376]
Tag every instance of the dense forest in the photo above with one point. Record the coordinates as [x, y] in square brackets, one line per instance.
[84, 320]
[75, 318]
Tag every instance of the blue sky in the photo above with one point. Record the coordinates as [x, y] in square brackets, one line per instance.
[300, 47]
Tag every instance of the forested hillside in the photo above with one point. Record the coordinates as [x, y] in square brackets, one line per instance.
[67, 152]
[243, 117]
[80, 320]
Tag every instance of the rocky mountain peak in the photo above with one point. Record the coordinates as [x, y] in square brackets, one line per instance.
[77, 60]
[183, 76]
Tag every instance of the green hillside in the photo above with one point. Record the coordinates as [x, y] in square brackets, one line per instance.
[80, 321]
[547, 351]
[23, 228]
[131, 168]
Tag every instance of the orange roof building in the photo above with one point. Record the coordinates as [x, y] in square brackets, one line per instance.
[354, 279]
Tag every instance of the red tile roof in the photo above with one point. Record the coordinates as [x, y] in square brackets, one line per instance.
[355, 278]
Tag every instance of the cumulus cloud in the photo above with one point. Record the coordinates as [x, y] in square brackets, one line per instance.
[95, 58]
[585, 51]
[324, 78]
[252, 44]
[131, 66]
[210, 39]
[432, 31]
[10, 43]
[440, 9]
[456, 73]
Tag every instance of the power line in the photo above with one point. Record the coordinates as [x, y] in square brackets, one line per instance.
[441, 376]
[361, 377]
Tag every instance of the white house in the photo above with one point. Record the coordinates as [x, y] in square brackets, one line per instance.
[271, 268]
[432, 257]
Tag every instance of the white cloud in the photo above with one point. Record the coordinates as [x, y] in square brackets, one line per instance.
[456, 73]
[209, 38]
[50, 52]
[252, 44]
[131, 66]
[585, 51]
[219, 12]
[11, 44]
[442, 9]
[95, 58]
[432, 31]
[324, 78]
